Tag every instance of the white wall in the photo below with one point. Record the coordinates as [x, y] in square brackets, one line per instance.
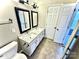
[9, 32]
[42, 15]
[7, 11]
[43, 6]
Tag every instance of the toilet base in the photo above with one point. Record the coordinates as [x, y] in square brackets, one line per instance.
[19, 56]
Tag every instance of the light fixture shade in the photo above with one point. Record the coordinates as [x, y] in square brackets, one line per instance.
[24, 1]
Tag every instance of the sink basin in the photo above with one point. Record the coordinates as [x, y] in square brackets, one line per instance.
[34, 33]
[31, 35]
[28, 38]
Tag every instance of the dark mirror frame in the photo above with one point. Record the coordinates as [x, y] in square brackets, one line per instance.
[32, 12]
[18, 19]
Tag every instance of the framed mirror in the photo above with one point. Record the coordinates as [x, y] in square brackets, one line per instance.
[23, 19]
[34, 16]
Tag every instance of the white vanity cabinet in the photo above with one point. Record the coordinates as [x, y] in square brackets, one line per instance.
[31, 41]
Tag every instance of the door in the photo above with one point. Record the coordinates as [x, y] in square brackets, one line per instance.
[63, 21]
[51, 21]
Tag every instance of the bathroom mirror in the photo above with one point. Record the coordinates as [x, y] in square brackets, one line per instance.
[34, 16]
[23, 19]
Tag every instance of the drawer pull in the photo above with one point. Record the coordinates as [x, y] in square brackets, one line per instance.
[24, 44]
[57, 29]
[28, 45]
[1, 56]
[36, 42]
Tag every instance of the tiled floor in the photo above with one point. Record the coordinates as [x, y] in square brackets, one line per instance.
[47, 50]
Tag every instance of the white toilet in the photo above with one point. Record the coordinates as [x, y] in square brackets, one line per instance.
[10, 52]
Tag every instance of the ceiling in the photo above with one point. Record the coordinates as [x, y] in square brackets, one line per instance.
[54, 1]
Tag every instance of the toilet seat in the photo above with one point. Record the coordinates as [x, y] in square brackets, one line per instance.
[10, 52]
[19, 56]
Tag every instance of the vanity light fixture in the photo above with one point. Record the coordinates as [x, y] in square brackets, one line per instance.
[34, 5]
[24, 1]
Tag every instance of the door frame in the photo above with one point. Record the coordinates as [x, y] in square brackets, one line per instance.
[70, 39]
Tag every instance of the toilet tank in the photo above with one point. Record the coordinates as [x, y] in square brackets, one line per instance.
[8, 51]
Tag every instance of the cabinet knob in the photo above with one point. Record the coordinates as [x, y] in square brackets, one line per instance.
[24, 44]
[1, 56]
[57, 29]
[36, 42]
[54, 27]
[28, 45]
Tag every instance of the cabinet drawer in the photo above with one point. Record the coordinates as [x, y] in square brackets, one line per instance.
[41, 35]
[33, 44]
[30, 49]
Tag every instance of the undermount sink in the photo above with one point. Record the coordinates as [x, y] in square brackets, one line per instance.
[28, 38]
[31, 35]
[34, 33]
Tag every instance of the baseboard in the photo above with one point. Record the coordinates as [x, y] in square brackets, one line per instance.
[47, 38]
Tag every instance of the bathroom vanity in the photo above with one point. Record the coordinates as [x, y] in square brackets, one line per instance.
[29, 41]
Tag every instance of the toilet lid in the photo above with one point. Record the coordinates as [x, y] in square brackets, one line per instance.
[19, 56]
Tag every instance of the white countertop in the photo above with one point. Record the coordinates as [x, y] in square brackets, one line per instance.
[28, 37]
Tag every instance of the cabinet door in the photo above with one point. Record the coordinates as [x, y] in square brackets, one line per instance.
[30, 49]
[51, 21]
[63, 22]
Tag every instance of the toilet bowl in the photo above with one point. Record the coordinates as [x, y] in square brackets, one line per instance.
[10, 52]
